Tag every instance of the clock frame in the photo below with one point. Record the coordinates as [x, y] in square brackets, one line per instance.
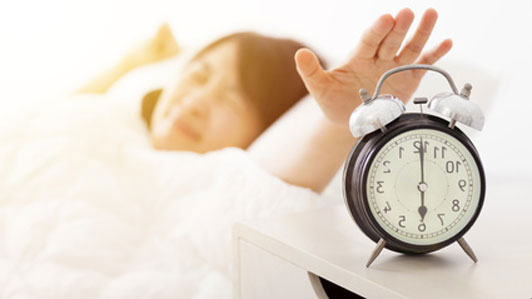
[356, 173]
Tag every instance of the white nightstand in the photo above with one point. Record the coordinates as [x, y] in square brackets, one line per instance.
[283, 257]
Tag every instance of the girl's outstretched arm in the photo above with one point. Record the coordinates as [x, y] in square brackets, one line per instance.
[313, 157]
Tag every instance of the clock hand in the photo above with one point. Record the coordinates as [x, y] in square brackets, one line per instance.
[422, 210]
[422, 160]
[422, 186]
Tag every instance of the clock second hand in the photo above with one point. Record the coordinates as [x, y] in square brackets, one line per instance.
[422, 186]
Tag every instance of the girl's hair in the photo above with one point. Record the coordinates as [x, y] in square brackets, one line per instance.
[266, 70]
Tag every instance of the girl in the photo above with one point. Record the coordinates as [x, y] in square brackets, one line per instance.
[236, 87]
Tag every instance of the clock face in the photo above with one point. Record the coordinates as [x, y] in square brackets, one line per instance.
[423, 187]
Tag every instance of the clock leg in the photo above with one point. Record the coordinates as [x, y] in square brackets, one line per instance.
[376, 252]
[467, 249]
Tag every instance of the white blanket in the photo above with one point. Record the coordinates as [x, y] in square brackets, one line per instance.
[89, 210]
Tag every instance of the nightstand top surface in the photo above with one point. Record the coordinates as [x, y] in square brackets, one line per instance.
[328, 243]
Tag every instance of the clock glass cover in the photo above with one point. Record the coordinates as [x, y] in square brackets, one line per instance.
[423, 186]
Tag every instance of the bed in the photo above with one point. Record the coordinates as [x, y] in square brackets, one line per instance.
[88, 209]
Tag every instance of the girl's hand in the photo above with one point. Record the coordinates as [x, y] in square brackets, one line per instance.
[160, 46]
[336, 91]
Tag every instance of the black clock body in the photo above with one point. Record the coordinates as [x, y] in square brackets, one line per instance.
[356, 172]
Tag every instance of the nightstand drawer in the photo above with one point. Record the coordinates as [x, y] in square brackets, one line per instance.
[260, 274]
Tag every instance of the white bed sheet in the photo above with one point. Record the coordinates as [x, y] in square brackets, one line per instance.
[89, 210]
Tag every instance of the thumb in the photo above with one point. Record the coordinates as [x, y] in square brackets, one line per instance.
[311, 72]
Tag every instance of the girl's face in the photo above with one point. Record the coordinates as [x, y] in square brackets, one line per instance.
[206, 109]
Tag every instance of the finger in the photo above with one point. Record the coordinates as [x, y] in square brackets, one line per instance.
[311, 72]
[372, 38]
[433, 56]
[392, 42]
[413, 48]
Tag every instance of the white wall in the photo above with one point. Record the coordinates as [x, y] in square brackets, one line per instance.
[50, 47]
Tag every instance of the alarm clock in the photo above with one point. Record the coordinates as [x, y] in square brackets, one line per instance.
[414, 182]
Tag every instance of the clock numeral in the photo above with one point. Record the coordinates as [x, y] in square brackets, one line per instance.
[417, 145]
[462, 184]
[387, 208]
[452, 166]
[385, 164]
[421, 227]
[380, 187]
[402, 220]
[441, 218]
[401, 150]
[437, 150]
[456, 205]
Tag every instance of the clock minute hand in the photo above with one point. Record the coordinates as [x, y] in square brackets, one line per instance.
[422, 160]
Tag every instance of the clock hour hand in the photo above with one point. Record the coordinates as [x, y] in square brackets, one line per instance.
[422, 210]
